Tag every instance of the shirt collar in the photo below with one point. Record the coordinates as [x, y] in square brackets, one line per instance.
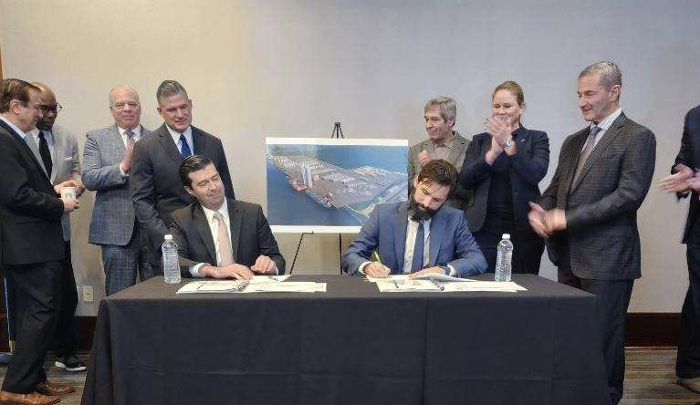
[136, 131]
[449, 143]
[210, 213]
[605, 124]
[14, 127]
[48, 135]
[176, 135]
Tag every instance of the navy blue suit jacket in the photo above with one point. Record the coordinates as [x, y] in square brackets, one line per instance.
[385, 230]
[527, 168]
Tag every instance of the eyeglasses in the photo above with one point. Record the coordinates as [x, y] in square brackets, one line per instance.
[45, 108]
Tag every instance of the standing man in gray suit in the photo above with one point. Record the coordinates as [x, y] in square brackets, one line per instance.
[56, 150]
[107, 169]
[155, 185]
[443, 142]
[589, 211]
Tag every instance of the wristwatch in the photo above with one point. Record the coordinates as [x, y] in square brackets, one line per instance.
[445, 269]
[508, 143]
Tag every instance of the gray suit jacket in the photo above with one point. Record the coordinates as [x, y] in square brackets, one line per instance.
[601, 205]
[65, 159]
[113, 215]
[156, 187]
[460, 198]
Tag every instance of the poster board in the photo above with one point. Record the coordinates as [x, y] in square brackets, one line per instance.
[321, 185]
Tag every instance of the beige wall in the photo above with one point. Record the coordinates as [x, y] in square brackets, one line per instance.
[292, 67]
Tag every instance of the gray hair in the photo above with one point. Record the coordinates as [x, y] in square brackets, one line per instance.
[448, 107]
[169, 88]
[610, 74]
[123, 87]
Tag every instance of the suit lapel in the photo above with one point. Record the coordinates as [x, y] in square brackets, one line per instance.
[236, 220]
[168, 144]
[400, 222]
[200, 222]
[35, 151]
[59, 154]
[458, 146]
[117, 139]
[436, 225]
[603, 143]
[27, 150]
[575, 155]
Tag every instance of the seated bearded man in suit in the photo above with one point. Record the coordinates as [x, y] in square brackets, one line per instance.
[220, 237]
[419, 237]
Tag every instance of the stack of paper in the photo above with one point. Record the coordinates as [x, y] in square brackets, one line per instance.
[289, 286]
[497, 286]
[406, 285]
[213, 286]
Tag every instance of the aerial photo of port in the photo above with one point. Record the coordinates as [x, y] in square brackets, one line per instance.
[332, 185]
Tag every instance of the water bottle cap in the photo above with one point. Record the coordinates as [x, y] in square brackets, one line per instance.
[506, 236]
[168, 237]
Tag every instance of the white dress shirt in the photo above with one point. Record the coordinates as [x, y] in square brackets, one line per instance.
[176, 138]
[214, 227]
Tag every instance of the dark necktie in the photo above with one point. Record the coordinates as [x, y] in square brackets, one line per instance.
[186, 151]
[587, 149]
[45, 153]
[417, 262]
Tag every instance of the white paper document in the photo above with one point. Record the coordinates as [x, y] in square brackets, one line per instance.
[496, 286]
[289, 286]
[406, 285]
[268, 279]
[433, 276]
[213, 286]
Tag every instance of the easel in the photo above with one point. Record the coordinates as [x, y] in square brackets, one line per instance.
[336, 134]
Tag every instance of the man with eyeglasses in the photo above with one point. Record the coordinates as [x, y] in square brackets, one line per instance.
[56, 150]
[107, 169]
[156, 187]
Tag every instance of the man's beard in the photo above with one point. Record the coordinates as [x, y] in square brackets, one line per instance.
[418, 212]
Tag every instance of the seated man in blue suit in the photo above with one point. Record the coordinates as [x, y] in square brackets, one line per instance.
[420, 236]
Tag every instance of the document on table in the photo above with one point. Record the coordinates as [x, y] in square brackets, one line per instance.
[406, 285]
[432, 276]
[213, 286]
[289, 286]
[268, 279]
[496, 286]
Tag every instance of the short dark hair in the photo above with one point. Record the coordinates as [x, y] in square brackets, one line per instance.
[15, 89]
[169, 88]
[441, 172]
[192, 164]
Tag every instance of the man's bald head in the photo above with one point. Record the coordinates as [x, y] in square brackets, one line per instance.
[49, 106]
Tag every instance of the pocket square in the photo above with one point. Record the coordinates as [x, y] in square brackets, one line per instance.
[69, 158]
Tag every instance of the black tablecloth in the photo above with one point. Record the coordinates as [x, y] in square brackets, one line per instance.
[350, 345]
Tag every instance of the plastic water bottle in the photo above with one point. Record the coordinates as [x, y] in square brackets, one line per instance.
[171, 264]
[503, 259]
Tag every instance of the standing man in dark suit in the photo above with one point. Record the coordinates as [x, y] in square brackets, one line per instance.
[155, 185]
[32, 247]
[220, 237]
[440, 115]
[107, 169]
[684, 181]
[590, 208]
[56, 149]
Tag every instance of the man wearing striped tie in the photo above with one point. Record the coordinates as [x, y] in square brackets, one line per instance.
[220, 237]
[155, 184]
